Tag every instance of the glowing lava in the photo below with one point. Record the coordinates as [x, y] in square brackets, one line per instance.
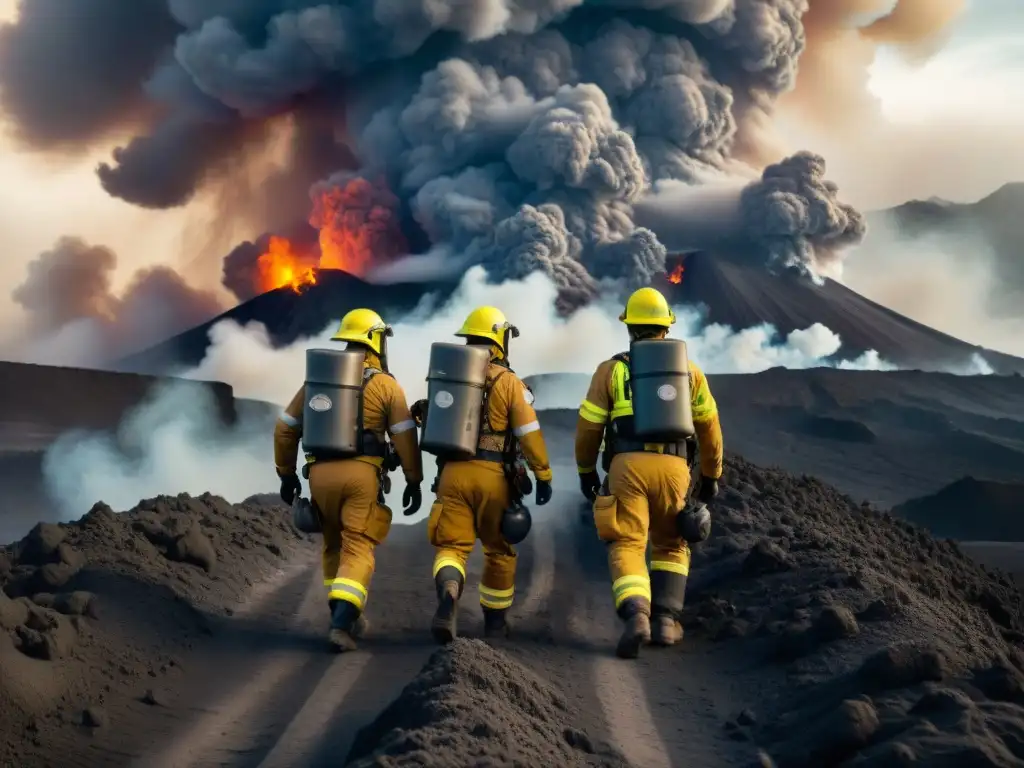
[358, 227]
[282, 265]
[676, 275]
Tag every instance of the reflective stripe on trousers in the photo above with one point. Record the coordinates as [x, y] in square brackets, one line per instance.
[626, 587]
[496, 599]
[347, 590]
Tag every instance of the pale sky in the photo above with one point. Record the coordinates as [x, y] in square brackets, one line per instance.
[968, 100]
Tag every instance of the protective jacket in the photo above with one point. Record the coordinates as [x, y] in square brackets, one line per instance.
[346, 491]
[473, 494]
[606, 413]
[647, 487]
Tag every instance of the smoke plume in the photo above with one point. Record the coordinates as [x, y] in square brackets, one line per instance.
[519, 136]
[74, 317]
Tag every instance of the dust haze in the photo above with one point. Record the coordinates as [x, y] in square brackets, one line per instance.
[949, 281]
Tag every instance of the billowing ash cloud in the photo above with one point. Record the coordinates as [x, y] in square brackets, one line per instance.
[74, 316]
[72, 72]
[521, 134]
[794, 215]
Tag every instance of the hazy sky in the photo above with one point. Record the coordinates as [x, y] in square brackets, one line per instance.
[966, 104]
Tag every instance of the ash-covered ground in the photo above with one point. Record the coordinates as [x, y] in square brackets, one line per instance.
[820, 632]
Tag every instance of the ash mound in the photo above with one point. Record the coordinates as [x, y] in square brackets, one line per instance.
[96, 614]
[474, 705]
[897, 649]
[970, 509]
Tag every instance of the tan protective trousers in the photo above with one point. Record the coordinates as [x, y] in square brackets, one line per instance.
[471, 498]
[647, 491]
[354, 523]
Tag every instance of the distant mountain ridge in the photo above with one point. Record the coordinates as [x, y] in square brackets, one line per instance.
[735, 293]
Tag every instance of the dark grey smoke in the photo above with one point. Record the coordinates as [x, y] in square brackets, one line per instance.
[72, 72]
[523, 134]
[74, 316]
[789, 218]
[164, 168]
[240, 268]
[794, 215]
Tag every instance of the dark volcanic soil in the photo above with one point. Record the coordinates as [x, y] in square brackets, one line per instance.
[897, 647]
[98, 616]
[473, 705]
[981, 510]
[819, 632]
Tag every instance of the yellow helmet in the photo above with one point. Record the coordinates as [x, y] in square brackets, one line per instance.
[489, 323]
[648, 307]
[365, 327]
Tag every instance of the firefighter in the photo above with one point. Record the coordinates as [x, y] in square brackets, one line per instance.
[646, 486]
[473, 494]
[347, 491]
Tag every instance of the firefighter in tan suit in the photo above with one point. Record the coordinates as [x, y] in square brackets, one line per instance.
[347, 491]
[648, 486]
[472, 495]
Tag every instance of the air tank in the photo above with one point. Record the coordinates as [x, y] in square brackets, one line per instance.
[660, 386]
[334, 394]
[455, 392]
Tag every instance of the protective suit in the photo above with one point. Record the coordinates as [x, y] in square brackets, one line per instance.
[473, 494]
[347, 492]
[646, 486]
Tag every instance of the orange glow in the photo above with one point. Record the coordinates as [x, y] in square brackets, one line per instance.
[282, 265]
[358, 228]
[676, 275]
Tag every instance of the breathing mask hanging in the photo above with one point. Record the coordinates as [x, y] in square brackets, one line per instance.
[304, 517]
[694, 522]
[515, 523]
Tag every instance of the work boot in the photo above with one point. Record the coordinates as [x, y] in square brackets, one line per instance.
[637, 631]
[495, 623]
[443, 626]
[360, 627]
[341, 641]
[665, 630]
[344, 618]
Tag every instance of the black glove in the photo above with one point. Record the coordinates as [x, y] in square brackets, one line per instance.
[543, 492]
[590, 484]
[708, 489]
[290, 488]
[419, 412]
[411, 500]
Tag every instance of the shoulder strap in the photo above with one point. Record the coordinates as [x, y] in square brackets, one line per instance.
[623, 357]
[485, 421]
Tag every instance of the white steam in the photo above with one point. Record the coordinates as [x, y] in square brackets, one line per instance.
[175, 445]
[172, 443]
